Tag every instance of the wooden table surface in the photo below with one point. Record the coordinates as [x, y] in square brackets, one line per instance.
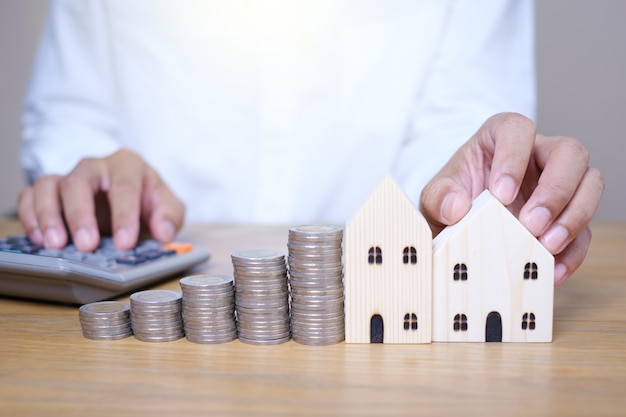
[47, 368]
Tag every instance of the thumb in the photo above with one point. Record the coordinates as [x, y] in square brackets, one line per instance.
[444, 202]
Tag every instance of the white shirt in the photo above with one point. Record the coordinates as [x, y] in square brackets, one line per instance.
[280, 110]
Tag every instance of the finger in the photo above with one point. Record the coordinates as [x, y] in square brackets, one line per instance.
[164, 211]
[78, 190]
[512, 137]
[563, 163]
[444, 202]
[127, 175]
[27, 215]
[571, 257]
[495, 157]
[49, 212]
[577, 214]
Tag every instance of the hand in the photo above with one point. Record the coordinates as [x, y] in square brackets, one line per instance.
[545, 181]
[115, 193]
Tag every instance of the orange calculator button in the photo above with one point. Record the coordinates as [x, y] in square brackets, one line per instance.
[179, 247]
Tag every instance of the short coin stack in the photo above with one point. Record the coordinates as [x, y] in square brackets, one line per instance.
[316, 279]
[156, 315]
[261, 296]
[105, 320]
[209, 308]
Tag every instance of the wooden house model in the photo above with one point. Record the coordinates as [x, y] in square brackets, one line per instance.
[388, 270]
[492, 279]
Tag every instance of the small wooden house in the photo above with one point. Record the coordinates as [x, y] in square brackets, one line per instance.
[492, 279]
[388, 270]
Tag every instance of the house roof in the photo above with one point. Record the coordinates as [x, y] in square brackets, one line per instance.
[386, 189]
[482, 205]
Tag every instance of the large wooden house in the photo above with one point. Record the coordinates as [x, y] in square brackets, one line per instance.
[388, 272]
[492, 279]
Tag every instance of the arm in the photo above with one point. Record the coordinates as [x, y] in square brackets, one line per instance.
[484, 65]
[68, 112]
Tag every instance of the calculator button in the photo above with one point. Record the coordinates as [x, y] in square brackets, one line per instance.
[130, 259]
[95, 259]
[18, 240]
[179, 247]
[106, 242]
[53, 253]
[72, 255]
[30, 249]
[150, 254]
[149, 244]
[10, 250]
[110, 253]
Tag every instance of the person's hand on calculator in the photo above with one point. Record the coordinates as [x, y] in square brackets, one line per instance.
[124, 193]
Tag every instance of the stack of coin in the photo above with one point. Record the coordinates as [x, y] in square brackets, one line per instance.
[209, 308]
[261, 296]
[105, 320]
[316, 280]
[156, 315]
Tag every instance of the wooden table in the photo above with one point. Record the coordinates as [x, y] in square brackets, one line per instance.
[47, 368]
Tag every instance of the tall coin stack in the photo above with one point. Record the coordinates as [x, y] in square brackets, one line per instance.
[156, 315]
[316, 280]
[105, 320]
[209, 308]
[261, 296]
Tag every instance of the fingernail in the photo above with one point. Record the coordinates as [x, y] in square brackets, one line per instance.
[36, 236]
[167, 230]
[52, 238]
[555, 238]
[447, 208]
[559, 274]
[505, 189]
[122, 238]
[537, 220]
[84, 239]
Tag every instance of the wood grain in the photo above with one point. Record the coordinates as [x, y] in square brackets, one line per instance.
[495, 250]
[48, 369]
[390, 289]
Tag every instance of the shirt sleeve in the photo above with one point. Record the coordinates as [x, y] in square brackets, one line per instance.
[484, 65]
[68, 112]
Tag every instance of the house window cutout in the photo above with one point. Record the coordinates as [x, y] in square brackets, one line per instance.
[531, 271]
[409, 255]
[375, 255]
[410, 321]
[377, 329]
[460, 272]
[528, 321]
[460, 323]
[493, 327]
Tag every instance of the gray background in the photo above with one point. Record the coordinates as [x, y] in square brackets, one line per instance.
[581, 62]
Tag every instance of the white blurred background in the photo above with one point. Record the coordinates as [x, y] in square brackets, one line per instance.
[581, 66]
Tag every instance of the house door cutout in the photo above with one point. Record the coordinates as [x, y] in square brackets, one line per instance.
[377, 329]
[493, 329]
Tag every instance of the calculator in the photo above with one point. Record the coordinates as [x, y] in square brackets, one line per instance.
[28, 270]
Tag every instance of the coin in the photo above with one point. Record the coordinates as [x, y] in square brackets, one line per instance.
[104, 308]
[316, 282]
[156, 315]
[208, 281]
[261, 296]
[105, 320]
[209, 308]
[155, 298]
